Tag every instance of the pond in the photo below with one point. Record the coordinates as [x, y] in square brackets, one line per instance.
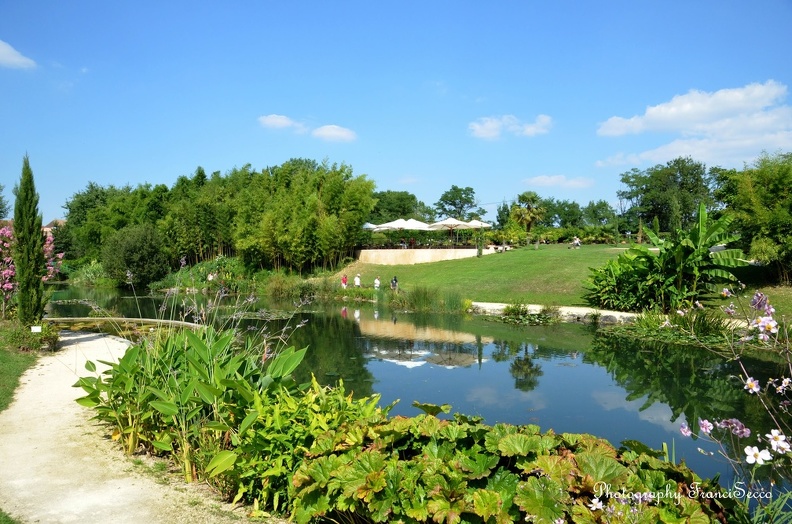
[559, 377]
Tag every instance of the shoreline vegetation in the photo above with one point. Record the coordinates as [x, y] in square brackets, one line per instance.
[551, 275]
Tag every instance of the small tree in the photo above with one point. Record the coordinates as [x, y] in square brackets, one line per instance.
[459, 203]
[28, 250]
[528, 210]
[134, 255]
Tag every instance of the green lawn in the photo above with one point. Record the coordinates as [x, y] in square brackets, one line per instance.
[12, 365]
[552, 275]
[5, 519]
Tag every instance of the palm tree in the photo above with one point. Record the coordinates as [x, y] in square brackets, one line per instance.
[527, 210]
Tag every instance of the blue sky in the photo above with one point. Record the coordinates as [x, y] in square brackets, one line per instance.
[558, 97]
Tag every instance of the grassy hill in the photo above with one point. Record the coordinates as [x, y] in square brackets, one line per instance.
[551, 275]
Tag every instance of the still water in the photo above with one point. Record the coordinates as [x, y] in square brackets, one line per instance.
[560, 377]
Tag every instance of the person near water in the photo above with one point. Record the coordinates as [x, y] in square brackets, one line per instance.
[344, 281]
[394, 284]
[357, 280]
[377, 282]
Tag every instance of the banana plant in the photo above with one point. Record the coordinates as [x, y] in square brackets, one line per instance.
[694, 262]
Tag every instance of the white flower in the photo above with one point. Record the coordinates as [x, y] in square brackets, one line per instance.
[753, 455]
[595, 504]
[777, 440]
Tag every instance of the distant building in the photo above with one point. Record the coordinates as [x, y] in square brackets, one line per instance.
[49, 229]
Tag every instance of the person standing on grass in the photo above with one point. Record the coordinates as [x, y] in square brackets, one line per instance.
[344, 281]
[377, 283]
[395, 284]
[357, 280]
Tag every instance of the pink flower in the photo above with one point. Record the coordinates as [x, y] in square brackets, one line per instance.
[751, 385]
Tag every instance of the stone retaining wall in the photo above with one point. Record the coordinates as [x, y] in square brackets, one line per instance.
[415, 256]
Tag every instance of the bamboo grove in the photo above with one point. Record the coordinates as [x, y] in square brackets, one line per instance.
[299, 216]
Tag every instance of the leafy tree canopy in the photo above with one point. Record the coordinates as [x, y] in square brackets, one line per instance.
[527, 210]
[759, 198]
[561, 213]
[399, 204]
[134, 255]
[459, 203]
[671, 192]
[598, 213]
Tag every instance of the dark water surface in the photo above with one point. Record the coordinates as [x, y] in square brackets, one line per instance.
[559, 377]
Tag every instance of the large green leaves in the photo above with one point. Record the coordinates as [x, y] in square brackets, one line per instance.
[673, 273]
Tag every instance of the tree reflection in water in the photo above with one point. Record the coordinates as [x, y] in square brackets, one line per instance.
[525, 371]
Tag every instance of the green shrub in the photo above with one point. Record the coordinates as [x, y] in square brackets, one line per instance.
[325, 286]
[519, 314]
[89, 274]
[221, 273]
[282, 286]
[19, 337]
[134, 255]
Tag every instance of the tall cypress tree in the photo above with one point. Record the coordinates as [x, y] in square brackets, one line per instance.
[28, 252]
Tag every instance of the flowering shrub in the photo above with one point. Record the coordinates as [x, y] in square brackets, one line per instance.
[8, 271]
[756, 457]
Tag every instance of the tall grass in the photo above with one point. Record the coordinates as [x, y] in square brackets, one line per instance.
[424, 299]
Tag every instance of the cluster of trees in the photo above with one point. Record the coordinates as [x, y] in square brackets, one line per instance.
[298, 216]
[665, 199]
[757, 199]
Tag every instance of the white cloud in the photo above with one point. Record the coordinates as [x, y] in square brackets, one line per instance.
[559, 181]
[10, 57]
[330, 133]
[277, 121]
[491, 127]
[333, 133]
[728, 127]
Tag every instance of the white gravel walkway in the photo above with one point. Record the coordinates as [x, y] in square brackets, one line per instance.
[57, 465]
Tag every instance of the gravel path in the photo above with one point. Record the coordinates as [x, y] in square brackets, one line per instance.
[57, 465]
